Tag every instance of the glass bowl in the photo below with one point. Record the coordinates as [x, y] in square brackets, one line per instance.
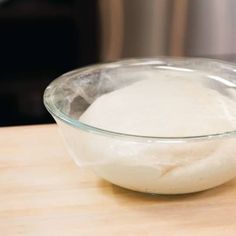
[163, 165]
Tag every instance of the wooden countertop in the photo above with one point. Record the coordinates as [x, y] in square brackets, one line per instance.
[42, 192]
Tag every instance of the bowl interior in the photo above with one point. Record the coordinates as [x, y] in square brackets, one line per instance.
[71, 94]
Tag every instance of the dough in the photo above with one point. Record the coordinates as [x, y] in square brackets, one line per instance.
[167, 105]
[170, 104]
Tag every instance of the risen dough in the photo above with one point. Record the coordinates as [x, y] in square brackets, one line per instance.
[168, 105]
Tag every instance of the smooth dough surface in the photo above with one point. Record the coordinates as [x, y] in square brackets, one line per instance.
[165, 105]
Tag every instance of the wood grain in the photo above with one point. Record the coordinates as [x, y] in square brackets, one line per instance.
[42, 192]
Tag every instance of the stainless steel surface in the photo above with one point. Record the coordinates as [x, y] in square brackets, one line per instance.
[133, 28]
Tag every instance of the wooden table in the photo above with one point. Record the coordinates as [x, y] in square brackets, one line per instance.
[42, 192]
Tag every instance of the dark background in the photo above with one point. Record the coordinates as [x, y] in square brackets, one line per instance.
[40, 40]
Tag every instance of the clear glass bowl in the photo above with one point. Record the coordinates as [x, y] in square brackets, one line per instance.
[164, 165]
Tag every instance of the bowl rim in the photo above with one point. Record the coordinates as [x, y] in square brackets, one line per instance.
[59, 115]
